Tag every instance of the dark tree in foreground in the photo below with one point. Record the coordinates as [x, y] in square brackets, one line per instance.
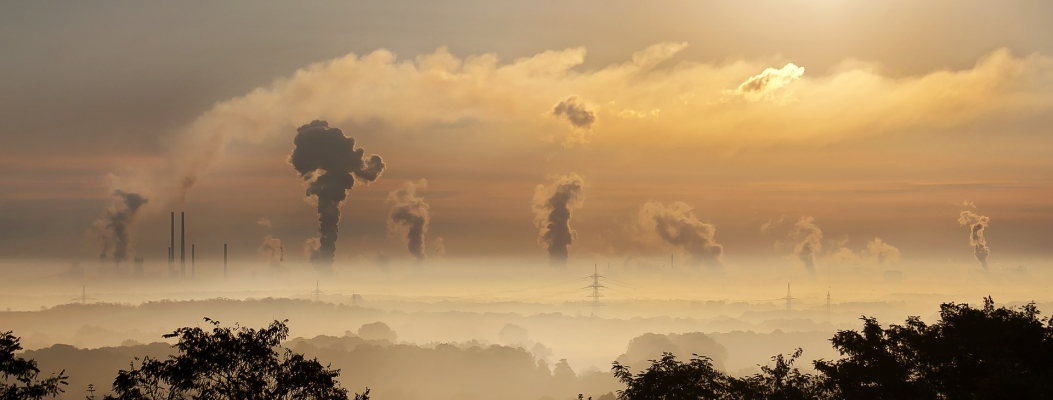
[20, 375]
[669, 379]
[988, 353]
[230, 364]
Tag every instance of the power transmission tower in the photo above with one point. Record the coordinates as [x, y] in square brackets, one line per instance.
[595, 286]
[83, 295]
[828, 302]
[789, 299]
[91, 392]
[317, 292]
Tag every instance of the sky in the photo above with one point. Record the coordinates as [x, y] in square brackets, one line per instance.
[800, 133]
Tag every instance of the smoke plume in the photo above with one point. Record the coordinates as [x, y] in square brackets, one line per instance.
[115, 227]
[880, 252]
[271, 248]
[552, 208]
[678, 226]
[809, 242]
[329, 163]
[977, 226]
[409, 216]
[575, 112]
[440, 247]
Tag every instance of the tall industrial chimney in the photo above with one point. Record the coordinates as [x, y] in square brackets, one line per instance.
[224, 261]
[182, 244]
[171, 246]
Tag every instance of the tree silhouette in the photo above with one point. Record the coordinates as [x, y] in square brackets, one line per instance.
[230, 364]
[987, 353]
[20, 375]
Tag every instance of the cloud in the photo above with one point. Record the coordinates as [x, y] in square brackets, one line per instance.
[409, 216]
[552, 207]
[576, 112]
[677, 225]
[264, 222]
[771, 224]
[977, 228]
[764, 85]
[876, 252]
[407, 95]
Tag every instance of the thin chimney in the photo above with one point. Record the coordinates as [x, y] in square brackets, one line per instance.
[192, 269]
[182, 244]
[171, 245]
[224, 261]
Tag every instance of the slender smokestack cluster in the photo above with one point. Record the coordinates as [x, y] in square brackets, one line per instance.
[977, 226]
[678, 226]
[809, 242]
[552, 208]
[329, 163]
[409, 216]
[115, 227]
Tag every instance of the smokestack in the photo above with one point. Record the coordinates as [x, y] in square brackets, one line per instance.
[330, 164]
[192, 269]
[171, 245]
[182, 244]
[224, 261]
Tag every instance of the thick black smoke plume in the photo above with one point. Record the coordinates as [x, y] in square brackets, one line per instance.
[330, 163]
[115, 227]
[552, 207]
[409, 215]
[678, 226]
[977, 226]
[809, 242]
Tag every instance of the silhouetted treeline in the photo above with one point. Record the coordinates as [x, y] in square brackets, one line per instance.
[970, 353]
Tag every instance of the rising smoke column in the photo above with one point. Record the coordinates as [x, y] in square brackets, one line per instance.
[115, 227]
[678, 226]
[808, 242]
[329, 163]
[271, 248]
[409, 215]
[977, 226]
[552, 208]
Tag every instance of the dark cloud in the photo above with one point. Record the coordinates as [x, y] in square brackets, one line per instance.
[409, 215]
[552, 208]
[575, 111]
[115, 227]
[678, 226]
[977, 226]
[330, 164]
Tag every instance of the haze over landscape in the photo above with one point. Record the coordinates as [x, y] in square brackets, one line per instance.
[471, 199]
